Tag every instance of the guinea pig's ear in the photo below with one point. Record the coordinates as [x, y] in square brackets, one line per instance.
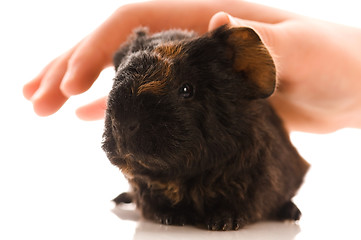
[134, 43]
[250, 58]
[119, 56]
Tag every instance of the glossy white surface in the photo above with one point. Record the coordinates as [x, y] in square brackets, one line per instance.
[56, 183]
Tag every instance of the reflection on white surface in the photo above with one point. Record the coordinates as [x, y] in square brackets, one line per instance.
[150, 230]
[264, 230]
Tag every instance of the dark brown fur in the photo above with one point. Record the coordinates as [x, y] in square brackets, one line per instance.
[189, 125]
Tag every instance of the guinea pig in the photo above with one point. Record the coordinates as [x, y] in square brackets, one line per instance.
[189, 125]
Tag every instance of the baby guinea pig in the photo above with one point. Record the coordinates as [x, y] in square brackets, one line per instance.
[189, 125]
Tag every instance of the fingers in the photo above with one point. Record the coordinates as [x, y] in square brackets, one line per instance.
[31, 87]
[83, 69]
[92, 111]
[76, 71]
[50, 102]
[96, 51]
[70, 74]
[44, 90]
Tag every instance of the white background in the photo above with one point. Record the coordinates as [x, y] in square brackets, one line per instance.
[55, 181]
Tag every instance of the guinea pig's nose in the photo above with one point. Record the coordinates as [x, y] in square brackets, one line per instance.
[132, 127]
[126, 129]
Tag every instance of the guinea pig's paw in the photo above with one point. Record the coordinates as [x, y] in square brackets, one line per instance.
[224, 222]
[289, 211]
[171, 219]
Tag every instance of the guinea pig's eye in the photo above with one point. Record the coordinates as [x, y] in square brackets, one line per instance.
[186, 90]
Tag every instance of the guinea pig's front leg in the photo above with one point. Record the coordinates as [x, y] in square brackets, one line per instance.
[171, 218]
[165, 214]
[223, 220]
[156, 206]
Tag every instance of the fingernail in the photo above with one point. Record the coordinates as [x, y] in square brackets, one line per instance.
[234, 21]
[231, 20]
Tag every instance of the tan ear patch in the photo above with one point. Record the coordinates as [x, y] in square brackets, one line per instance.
[243, 34]
[252, 57]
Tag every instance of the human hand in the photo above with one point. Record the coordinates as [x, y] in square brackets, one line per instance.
[75, 71]
[318, 69]
[317, 64]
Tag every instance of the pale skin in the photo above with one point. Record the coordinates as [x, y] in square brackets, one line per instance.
[318, 63]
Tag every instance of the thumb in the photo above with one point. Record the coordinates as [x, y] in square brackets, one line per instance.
[271, 35]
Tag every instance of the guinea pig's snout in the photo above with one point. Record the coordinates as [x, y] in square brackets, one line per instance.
[132, 127]
[126, 129]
